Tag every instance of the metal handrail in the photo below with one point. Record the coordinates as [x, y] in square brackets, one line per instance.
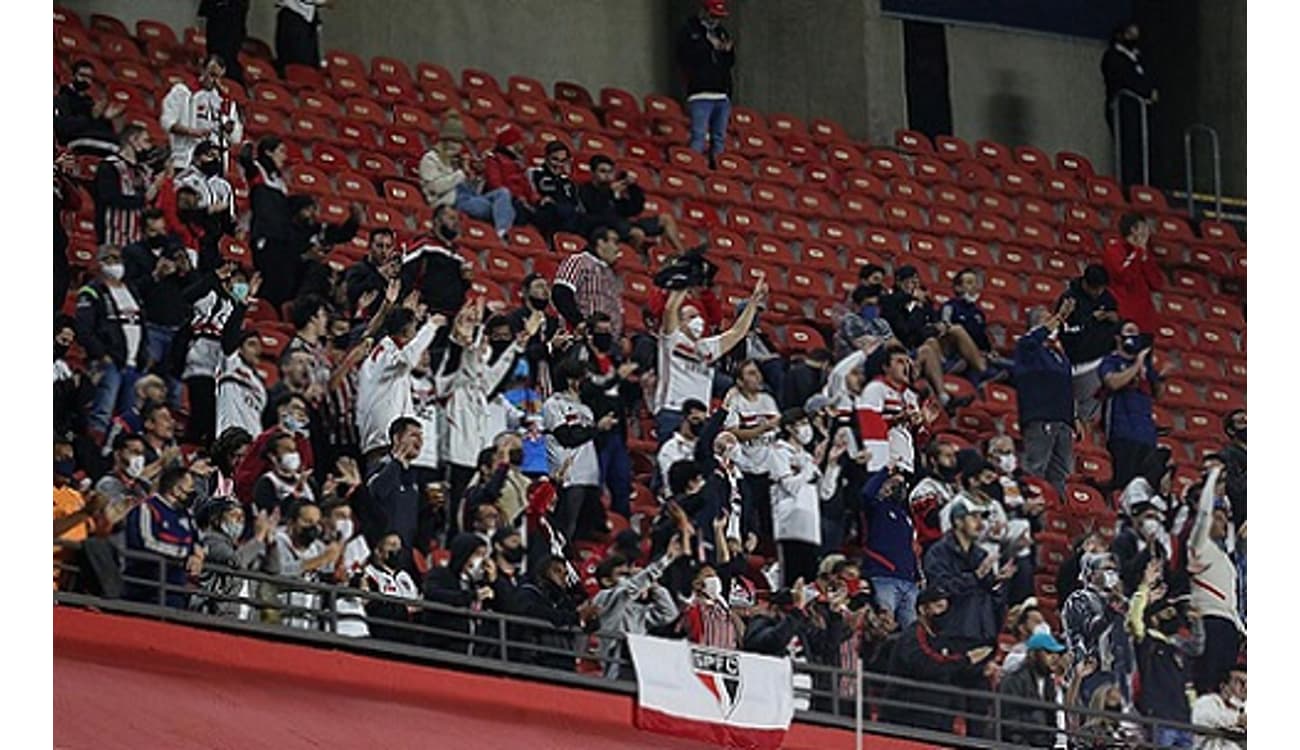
[1117, 124]
[819, 695]
[1192, 130]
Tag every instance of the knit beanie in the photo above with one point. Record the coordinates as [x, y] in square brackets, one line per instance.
[452, 129]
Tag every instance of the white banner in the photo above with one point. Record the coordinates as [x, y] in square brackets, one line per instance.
[730, 698]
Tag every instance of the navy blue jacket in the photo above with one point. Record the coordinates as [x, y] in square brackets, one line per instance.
[164, 530]
[888, 552]
[967, 314]
[1127, 412]
[976, 606]
[1044, 382]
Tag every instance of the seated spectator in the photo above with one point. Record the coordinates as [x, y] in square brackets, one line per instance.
[160, 532]
[631, 603]
[303, 555]
[384, 574]
[1088, 335]
[1224, 709]
[224, 543]
[915, 322]
[963, 331]
[1164, 655]
[1045, 397]
[207, 115]
[451, 175]
[613, 198]
[920, 654]
[83, 121]
[466, 583]
[1133, 272]
[505, 168]
[1131, 384]
[681, 446]
[1033, 680]
[159, 433]
[110, 328]
[559, 208]
[687, 358]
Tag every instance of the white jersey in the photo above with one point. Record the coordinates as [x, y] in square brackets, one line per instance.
[686, 369]
[241, 396]
[212, 191]
[565, 410]
[432, 426]
[885, 432]
[128, 309]
[384, 385]
[204, 108]
[755, 455]
[674, 449]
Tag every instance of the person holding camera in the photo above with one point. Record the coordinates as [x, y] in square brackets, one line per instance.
[687, 358]
[1131, 383]
[613, 197]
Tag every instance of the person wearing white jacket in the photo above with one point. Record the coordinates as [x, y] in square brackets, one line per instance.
[468, 376]
[798, 487]
[384, 381]
[190, 117]
[1214, 582]
[451, 175]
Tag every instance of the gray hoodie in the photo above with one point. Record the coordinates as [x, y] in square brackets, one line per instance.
[622, 611]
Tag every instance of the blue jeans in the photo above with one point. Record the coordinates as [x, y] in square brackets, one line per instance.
[494, 204]
[709, 115]
[114, 393]
[1168, 737]
[897, 596]
[616, 471]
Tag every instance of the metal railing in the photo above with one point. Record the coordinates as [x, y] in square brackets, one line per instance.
[1188, 142]
[1117, 122]
[511, 644]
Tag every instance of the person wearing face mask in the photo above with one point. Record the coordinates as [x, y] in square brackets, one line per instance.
[190, 117]
[124, 185]
[536, 291]
[559, 207]
[213, 194]
[83, 121]
[1233, 456]
[303, 554]
[218, 348]
[708, 619]
[1133, 272]
[571, 429]
[921, 654]
[465, 583]
[1045, 397]
[1131, 384]
[552, 597]
[1093, 620]
[963, 311]
[110, 328]
[889, 560]
[613, 387]
[631, 602]
[1214, 580]
[508, 555]
[434, 264]
[287, 414]
[222, 536]
[1165, 651]
[1034, 680]
[287, 482]
[163, 529]
[1223, 709]
[385, 574]
[128, 484]
[681, 446]
[687, 358]
[938, 487]
[1122, 70]
[798, 488]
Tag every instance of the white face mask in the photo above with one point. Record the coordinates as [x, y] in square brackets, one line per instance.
[1109, 579]
[232, 529]
[713, 587]
[475, 570]
[344, 527]
[696, 326]
[804, 434]
[1007, 463]
[1152, 527]
[114, 271]
[290, 462]
[972, 296]
[135, 467]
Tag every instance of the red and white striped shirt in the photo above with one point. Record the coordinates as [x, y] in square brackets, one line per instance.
[885, 432]
[596, 287]
[708, 623]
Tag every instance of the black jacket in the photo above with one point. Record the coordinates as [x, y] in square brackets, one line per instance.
[99, 326]
[433, 266]
[164, 298]
[546, 601]
[1084, 337]
[706, 69]
[918, 655]
[393, 505]
[1023, 683]
[360, 278]
[1235, 457]
[74, 117]
[976, 605]
[801, 382]
[912, 323]
[558, 187]
[602, 206]
[446, 585]
[1120, 72]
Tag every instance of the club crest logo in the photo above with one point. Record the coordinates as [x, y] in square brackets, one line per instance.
[719, 672]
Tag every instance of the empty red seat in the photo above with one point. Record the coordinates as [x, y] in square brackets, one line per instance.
[346, 83]
[344, 61]
[1018, 181]
[857, 208]
[393, 91]
[1063, 186]
[776, 171]
[1035, 233]
[1061, 266]
[950, 221]
[660, 107]
[1147, 199]
[782, 123]
[951, 148]
[1223, 399]
[817, 255]
[403, 194]
[838, 233]
[735, 166]
[929, 169]
[1216, 340]
[951, 196]
[304, 178]
[757, 145]
[825, 131]
[573, 93]
[320, 103]
[772, 250]
[973, 175]
[362, 109]
[1191, 283]
[377, 166]
[865, 183]
[1179, 394]
[727, 243]
[997, 282]
[677, 184]
[1031, 158]
[993, 228]
[814, 204]
[1038, 209]
[1221, 233]
[1177, 307]
[973, 253]
[484, 103]
[927, 248]
[822, 177]
[907, 189]
[886, 164]
[1224, 314]
[745, 221]
[767, 196]
[1104, 191]
[995, 203]
[790, 228]
[1172, 336]
[1174, 228]
[747, 119]
[1084, 216]
[902, 216]
[722, 190]
[1013, 259]
[1077, 164]
[913, 142]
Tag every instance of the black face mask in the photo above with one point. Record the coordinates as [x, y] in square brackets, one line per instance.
[516, 456]
[393, 558]
[603, 341]
[80, 85]
[308, 535]
[946, 473]
[60, 351]
[539, 303]
[993, 490]
[210, 168]
[155, 242]
[513, 555]
[447, 233]
[498, 347]
[1135, 344]
[193, 215]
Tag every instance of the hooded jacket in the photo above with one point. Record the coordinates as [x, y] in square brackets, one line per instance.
[1024, 683]
[501, 169]
[707, 70]
[1134, 275]
[451, 586]
[623, 611]
[888, 550]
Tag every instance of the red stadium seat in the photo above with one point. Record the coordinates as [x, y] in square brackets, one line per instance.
[952, 149]
[1147, 199]
[973, 175]
[861, 181]
[903, 217]
[949, 221]
[1063, 186]
[1217, 341]
[913, 142]
[952, 196]
[992, 154]
[1221, 233]
[1103, 191]
[816, 255]
[838, 233]
[1032, 159]
[776, 171]
[927, 248]
[995, 203]
[859, 209]
[909, 190]
[1077, 164]
[826, 131]
[930, 170]
[1222, 399]
[790, 228]
[886, 164]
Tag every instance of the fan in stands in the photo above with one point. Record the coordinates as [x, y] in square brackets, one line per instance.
[933, 433]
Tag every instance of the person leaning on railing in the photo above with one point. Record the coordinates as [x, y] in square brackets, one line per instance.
[549, 596]
[222, 528]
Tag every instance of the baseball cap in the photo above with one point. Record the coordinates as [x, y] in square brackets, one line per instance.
[904, 273]
[961, 510]
[816, 403]
[932, 593]
[1044, 642]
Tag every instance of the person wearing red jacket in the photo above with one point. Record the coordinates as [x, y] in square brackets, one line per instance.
[292, 419]
[1133, 272]
[505, 168]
